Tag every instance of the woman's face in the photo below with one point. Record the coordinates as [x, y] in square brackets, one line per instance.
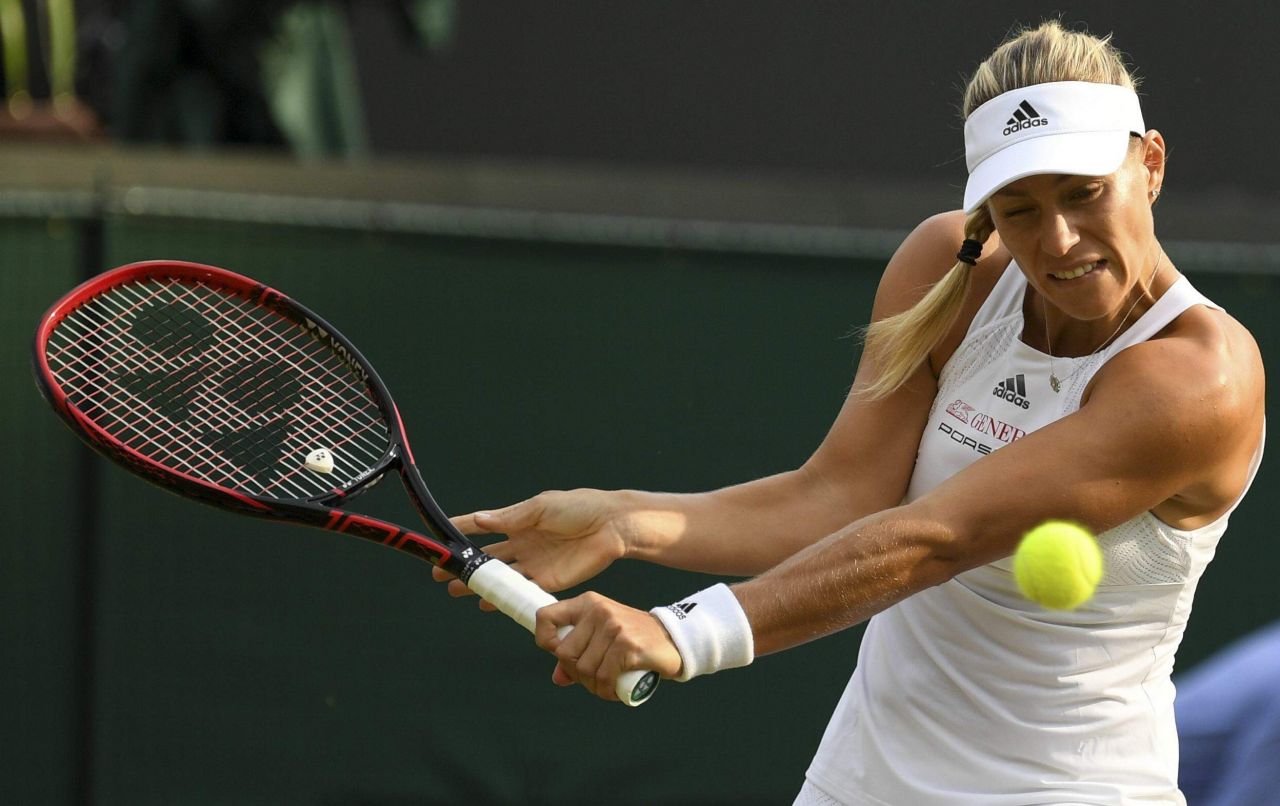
[1084, 241]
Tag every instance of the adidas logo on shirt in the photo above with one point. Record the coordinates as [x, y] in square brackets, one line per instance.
[1013, 390]
[1024, 117]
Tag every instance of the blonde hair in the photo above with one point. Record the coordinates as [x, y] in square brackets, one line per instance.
[1048, 53]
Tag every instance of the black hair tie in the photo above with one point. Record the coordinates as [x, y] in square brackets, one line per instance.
[969, 252]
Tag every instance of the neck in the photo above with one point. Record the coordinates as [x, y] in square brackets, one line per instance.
[1069, 337]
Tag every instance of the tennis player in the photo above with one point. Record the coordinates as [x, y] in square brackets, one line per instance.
[1059, 366]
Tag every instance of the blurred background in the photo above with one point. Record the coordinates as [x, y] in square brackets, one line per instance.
[586, 244]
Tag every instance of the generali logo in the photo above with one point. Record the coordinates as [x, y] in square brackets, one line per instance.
[984, 423]
[960, 410]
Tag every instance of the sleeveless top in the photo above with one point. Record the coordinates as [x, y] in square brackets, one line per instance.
[967, 693]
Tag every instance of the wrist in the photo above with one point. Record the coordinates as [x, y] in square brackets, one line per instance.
[647, 523]
[710, 630]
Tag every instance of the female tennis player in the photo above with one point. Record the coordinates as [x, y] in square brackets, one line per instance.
[1059, 366]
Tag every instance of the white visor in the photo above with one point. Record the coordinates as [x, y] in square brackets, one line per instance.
[1065, 127]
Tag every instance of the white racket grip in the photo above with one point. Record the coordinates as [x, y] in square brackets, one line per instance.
[508, 590]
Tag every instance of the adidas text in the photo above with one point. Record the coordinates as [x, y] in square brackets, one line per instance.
[683, 609]
[1014, 390]
[1024, 117]
[1025, 124]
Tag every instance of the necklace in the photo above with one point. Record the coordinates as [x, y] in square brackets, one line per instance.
[1054, 380]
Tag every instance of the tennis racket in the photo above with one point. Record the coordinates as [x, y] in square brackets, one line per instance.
[221, 389]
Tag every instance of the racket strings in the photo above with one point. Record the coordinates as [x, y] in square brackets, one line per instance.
[171, 437]
[133, 410]
[222, 421]
[355, 408]
[216, 386]
[260, 347]
[352, 399]
[119, 411]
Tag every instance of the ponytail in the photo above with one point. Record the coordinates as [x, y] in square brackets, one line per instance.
[900, 343]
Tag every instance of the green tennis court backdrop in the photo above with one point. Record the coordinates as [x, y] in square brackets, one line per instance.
[220, 660]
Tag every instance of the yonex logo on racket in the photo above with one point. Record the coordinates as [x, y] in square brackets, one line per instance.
[339, 348]
[1024, 117]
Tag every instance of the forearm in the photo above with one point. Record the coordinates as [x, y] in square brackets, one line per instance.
[745, 529]
[848, 577]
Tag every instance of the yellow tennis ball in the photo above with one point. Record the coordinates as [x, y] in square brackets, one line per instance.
[1058, 565]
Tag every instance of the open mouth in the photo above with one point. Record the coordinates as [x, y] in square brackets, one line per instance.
[1079, 271]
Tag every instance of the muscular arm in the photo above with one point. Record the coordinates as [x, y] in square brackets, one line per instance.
[748, 528]
[863, 466]
[1169, 426]
[1150, 430]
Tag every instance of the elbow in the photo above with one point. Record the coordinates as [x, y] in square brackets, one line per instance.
[943, 546]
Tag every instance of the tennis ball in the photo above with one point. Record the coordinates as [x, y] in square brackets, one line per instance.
[1058, 565]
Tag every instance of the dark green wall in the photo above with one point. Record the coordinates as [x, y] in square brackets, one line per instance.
[38, 564]
[243, 662]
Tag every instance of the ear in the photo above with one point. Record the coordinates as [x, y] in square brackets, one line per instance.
[1153, 160]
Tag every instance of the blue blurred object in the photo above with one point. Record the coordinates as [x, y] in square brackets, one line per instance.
[1228, 711]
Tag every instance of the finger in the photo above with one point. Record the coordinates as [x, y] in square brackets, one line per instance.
[515, 517]
[544, 630]
[455, 587]
[457, 590]
[589, 663]
[503, 551]
[551, 618]
[615, 662]
[467, 524]
[560, 677]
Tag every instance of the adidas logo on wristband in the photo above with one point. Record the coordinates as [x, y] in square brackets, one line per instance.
[717, 637]
[683, 609]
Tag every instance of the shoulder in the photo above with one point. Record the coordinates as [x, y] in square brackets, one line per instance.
[925, 255]
[1202, 357]
[1198, 391]
[928, 253]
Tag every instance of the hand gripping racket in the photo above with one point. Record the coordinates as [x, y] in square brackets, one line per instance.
[221, 389]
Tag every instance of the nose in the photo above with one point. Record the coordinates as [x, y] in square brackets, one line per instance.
[1058, 234]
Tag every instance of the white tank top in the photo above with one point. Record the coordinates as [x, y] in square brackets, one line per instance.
[967, 693]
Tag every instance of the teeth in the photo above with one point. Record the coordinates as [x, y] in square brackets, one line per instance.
[1079, 271]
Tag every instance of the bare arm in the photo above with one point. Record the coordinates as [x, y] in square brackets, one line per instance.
[863, 466]
[1143, 438]
[1166, 420]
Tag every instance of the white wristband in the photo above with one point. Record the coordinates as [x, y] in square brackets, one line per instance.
[710, 630]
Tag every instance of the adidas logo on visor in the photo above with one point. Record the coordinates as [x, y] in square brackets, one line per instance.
[1024, 117]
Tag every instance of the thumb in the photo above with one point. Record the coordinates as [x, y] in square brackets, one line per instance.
[552, 623]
